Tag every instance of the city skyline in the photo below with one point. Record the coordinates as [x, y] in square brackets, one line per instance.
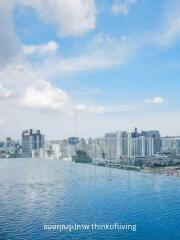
[90, 136]
[112, 146]
[116, 64]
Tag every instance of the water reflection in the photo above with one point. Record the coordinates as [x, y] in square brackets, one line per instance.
[37, 192]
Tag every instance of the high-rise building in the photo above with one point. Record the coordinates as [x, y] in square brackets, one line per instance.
[156, 139]
[140, 147]
[116, 145]
[171, 144]
[95, 149]
[111, 146]
[8, 142]
[168, 143]
[120, 144]
[31, 139]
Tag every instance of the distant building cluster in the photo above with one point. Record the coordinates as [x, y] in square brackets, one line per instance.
[130, 145]
[112, 147]
[10, 148]
[31, 140]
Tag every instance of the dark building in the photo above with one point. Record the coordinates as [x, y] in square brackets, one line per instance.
[8, 142]
[73, 140]
[156, 139]
[31, 139]
[135, 134]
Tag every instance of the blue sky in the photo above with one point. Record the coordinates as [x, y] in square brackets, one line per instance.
[116, 63]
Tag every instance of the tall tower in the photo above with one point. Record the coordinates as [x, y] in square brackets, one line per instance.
[31, 139]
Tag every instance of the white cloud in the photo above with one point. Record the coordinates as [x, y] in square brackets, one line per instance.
[155, 100]
[169, 29]
[45, 97]
[71, 16]
[49, 48]
[4, 92]
[18, 77]
[102, 52]
[89, 108]
[122, 6]
[31, 91]
[10, 47]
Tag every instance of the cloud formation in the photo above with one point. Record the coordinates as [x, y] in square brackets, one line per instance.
[73, 17]
[48, 48]
[103, 52]
[155, 100]
[29, 90]
[122, 6]
[89, 108]
[168, 31]
[45, 97]
[10, 46]
[4, 92]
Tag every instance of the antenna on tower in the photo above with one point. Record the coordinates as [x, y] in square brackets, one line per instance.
[75, 123]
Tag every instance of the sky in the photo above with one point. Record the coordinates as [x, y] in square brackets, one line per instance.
[115, 63]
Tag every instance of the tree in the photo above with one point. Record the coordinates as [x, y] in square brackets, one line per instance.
[81, 157]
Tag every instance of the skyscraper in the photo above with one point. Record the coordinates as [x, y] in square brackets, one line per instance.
[140, 146]
[156, 139]
[31, 139]
[121, 144]
[116, 145]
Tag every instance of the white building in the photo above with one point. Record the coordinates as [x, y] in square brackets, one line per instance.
[116, 145]
[171, 144]
[120, 145]
[140, 147]
[168, 143]
[50, 151]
